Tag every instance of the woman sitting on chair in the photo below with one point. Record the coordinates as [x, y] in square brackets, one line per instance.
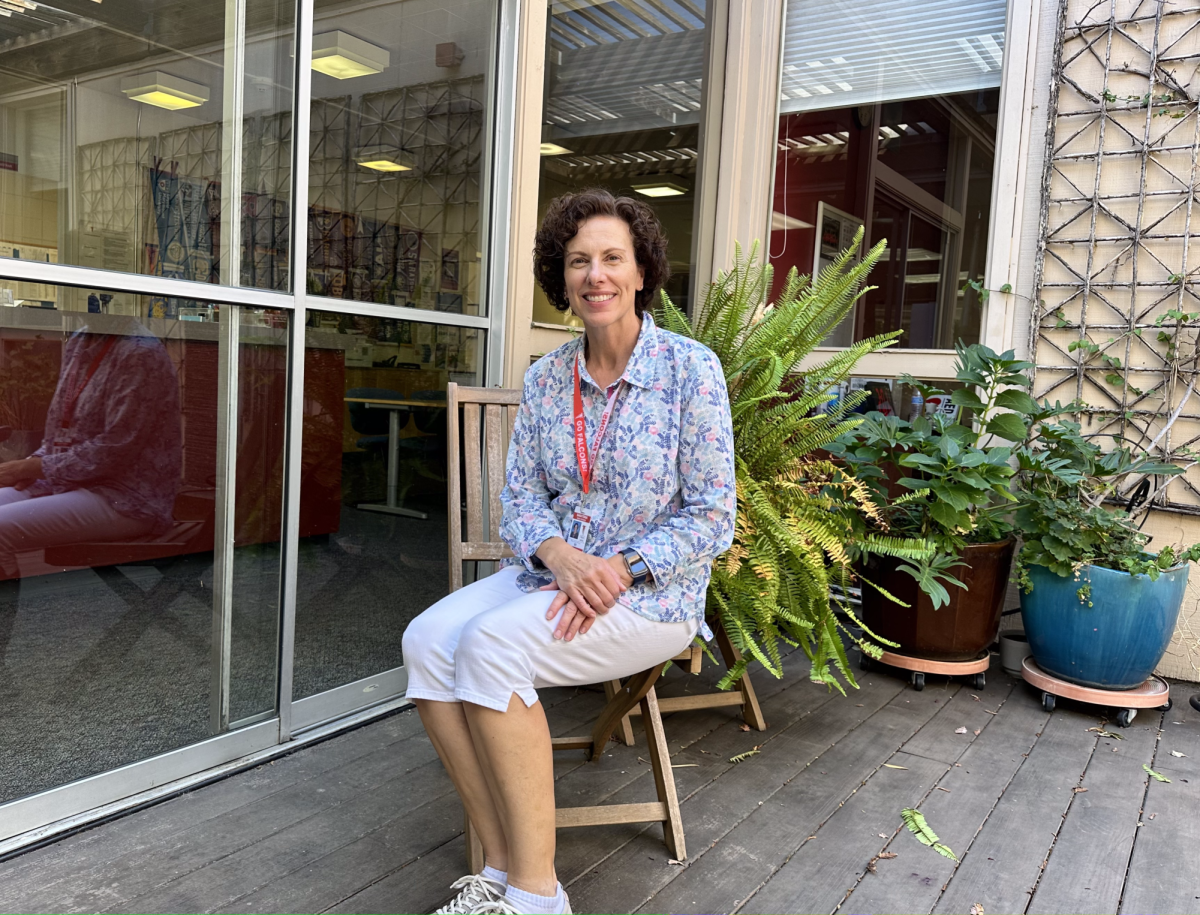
[620, 493]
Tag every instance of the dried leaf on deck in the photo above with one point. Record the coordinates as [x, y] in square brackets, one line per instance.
[1104, 733]
[1177, 754]
[890, 766]
[977, 909]
[915, 821]
[887, 854]
[960, 730]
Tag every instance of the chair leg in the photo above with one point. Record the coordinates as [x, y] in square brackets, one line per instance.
[626, 698]
[474, 846]
[625, 730]
[664, 776]
[751, 712]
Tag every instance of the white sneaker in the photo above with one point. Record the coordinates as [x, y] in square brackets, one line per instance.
[475, 890]
[503, 906]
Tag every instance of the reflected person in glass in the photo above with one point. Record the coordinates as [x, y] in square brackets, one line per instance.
[619, 494]
[108, 468]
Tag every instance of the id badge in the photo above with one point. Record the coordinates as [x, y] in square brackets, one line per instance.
[579, 529]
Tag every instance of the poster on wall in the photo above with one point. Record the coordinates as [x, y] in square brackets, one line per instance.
[835, 233]
[185, 214]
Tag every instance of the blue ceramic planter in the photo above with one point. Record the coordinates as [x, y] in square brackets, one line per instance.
[1114, 644]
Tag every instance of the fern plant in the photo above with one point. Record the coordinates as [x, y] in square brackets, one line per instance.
[792, 539]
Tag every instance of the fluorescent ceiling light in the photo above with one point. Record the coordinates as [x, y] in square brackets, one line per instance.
[553, 149]
[782, 222]
[660, 186]
[385, 159]
[162, 90]
[343, 56]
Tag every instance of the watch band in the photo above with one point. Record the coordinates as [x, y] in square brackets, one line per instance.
[636, 565]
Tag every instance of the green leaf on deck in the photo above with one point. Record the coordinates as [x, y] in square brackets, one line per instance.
[915, 821]
[1161, 778]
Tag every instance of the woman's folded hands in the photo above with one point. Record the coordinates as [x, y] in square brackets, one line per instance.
[587, 585]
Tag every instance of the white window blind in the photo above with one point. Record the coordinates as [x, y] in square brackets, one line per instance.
[839, 53]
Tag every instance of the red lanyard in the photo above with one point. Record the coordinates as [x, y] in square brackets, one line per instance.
[581, 449]
[68, 413]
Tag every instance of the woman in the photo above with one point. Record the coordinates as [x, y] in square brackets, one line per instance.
[620, 493]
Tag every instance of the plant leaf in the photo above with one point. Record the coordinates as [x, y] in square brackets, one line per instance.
[1008, 426]
[1161, 778]
[915, 821]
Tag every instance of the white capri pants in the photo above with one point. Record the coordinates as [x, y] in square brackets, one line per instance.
[490, 639]
[27, 523]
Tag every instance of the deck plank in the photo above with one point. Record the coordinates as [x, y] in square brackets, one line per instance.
[1005, 861]
[826, 867]
[77, 855]
[1087, 865]
[1160, 880]
[913, 881]
[765, 808]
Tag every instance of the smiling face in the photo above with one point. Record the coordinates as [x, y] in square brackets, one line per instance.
[602, 274]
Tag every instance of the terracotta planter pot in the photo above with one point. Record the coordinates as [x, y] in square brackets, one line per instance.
[958, 631]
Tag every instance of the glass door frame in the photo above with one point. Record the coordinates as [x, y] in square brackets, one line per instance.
[39, 816]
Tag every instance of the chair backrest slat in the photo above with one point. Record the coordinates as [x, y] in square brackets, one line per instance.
[496, 452]
[474, 475]
[485, 437]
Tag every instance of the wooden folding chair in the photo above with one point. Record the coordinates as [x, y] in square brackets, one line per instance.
[488, 415]
[743, 695]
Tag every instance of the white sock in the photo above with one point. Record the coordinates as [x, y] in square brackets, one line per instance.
[529, 904]
[491, 873]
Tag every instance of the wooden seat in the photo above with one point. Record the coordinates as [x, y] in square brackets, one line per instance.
[488, 415]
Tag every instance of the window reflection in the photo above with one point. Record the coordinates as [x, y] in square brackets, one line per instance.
[888, 114]
[373, 493]
[108, 488]
[623, 105]
[400, 92]
[118, 148]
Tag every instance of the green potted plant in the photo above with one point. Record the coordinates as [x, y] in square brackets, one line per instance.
[793, 524]
[945, 482]
[1099, 609]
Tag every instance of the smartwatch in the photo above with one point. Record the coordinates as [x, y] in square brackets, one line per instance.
[636, 565]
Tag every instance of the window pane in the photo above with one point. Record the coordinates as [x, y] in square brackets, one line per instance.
[373, 547]
[126, 143]
[623, 108]
[916, 172]
[109, 452]
[400, 99]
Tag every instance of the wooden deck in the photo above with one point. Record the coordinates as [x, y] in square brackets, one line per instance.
[1045, 814]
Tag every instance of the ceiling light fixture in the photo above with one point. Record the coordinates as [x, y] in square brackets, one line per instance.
[385, 159]
[162, 90]
[553, 149]
[660, 186]
[343, 56]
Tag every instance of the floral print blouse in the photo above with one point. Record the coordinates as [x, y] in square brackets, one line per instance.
[663, 482]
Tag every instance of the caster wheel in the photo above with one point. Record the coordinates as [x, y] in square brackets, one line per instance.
[1195, 702]
[918, 681]
[1167, 706]
[865, 661]
[978, 681]
[1125, 717]
[1048, 701]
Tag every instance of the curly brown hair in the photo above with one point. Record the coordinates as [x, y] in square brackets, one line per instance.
[568, 212]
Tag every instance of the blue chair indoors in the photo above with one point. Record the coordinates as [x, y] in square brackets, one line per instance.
[377, 417]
